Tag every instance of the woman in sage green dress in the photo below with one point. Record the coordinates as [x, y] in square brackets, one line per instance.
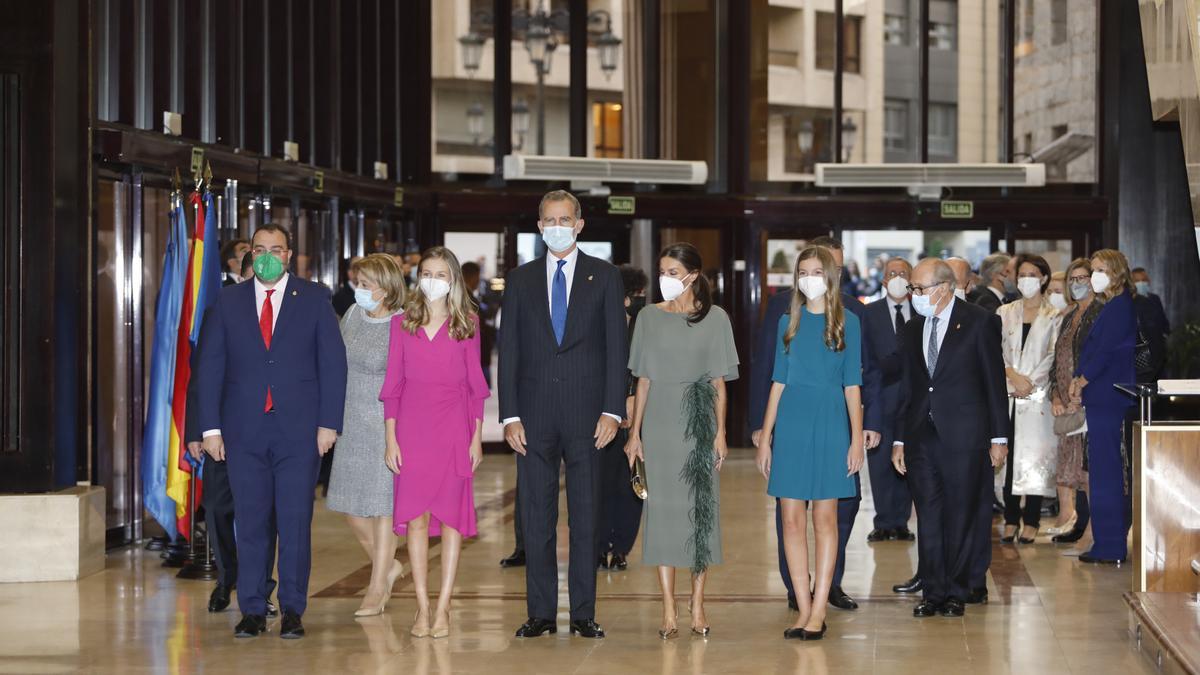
[682, 354]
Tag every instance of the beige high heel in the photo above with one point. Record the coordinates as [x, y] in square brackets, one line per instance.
[439, 633]
[395, 573]
[418, 630]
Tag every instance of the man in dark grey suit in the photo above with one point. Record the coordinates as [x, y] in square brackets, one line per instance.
[563, 357]
[997, 282]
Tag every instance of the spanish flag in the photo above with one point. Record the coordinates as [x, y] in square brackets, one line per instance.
[201, 285]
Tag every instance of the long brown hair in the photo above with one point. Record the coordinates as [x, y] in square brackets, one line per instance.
[462, 310]
[689, 257]
[835, 318]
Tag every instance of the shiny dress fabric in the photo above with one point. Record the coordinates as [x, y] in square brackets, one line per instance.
[1034, 444]
[435, 390]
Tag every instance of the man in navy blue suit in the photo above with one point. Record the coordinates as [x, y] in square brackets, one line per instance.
[763, 363]
[882, 327]
[272, 369]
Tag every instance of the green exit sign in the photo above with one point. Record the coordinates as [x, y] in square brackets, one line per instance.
[958, 209]
[620, 206]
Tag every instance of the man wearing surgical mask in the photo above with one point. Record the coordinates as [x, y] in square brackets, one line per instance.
[882, 325]
[1141, 281]
[562, 387]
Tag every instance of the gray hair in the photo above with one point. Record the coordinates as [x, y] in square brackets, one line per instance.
[560, 196]
[942, 273]
[992, 265]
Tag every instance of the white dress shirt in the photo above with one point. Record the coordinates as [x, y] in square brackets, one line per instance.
[905, 309]
[943, 326]
[569, 272]
[999, 294]
[260, 295]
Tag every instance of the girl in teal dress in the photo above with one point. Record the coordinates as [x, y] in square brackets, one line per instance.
[815, 415]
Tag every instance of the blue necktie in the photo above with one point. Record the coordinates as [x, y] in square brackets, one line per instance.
[558, 302]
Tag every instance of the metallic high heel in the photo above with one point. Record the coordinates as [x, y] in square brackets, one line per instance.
[702, 632]
[668, 634]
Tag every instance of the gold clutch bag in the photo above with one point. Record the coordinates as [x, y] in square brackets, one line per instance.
[638, 480]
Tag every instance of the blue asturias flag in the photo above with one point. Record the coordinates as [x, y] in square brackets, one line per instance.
[156, 444]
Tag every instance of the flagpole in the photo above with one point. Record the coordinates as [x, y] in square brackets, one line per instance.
[195, 567]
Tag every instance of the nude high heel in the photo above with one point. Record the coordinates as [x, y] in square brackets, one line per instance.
[439, 633]
[419, 630]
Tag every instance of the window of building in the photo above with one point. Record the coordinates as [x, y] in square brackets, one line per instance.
[1058, 131]
[943, 127]
[826, 42]
[895, 124]
[941, 36]
[808, 139]
[1058, 21]
[606, 130]
[895, 30]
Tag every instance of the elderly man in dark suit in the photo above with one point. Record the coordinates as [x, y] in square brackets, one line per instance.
[563, 356]
[951, 428]
[760, 384]
[998, 282]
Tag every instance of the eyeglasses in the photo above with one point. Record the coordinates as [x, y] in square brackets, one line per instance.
[893, 274]
[1079, 279]
[922, 290]
[274, 250]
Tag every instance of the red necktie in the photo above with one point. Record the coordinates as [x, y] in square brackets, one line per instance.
[266, 320]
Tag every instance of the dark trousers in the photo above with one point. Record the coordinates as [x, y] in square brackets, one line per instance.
[1014, 513]
[1110, 508]
[1083, 513]
[537, 475]
[981, 532]
[847, 512]
[621, 509]
[944, 480]
[889, 490]
[273, 480]
[218, 514]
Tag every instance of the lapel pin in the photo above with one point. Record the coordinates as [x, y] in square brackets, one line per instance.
[956, 326]
[589, 277]
[294, 293]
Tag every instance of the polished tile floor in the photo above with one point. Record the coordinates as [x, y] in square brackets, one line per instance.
[1049, 613]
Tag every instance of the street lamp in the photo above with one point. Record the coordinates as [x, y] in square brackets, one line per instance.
[804, 138]
[475, 121]
[539, 28]
[849, 137]
[520, 121]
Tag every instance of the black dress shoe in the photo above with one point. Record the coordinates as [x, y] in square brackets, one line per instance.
[913, 585]
[1067, 537]
[839, 599]
[904, 534]
[1093, 560]
[219, 600]
[925, 608]
[517, 559]
[618, 562]
[879, 534]
[977, 596]
[793, 604]
[602, 563]
[536, 628]
[272, 611]
[953, 607]
[587, 628]
[291, 628]
[250, 626]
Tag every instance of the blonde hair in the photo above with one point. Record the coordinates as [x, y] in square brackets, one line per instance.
[835, 322]
[1066, 292]
[383, 270]
[1118, 272]
[462, 309]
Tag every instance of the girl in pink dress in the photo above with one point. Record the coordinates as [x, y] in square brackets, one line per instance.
[433, 397]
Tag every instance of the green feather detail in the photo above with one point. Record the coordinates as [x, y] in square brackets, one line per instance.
[700, 414]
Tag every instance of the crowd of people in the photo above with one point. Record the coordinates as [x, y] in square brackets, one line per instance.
[950, 391]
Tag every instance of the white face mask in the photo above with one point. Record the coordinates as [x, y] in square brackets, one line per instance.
[1029, 286]
[960, 294]
[434, 289]
[897, 287]
[1100, 281]
[671, 287]
[1058, 301]
[558, 238]
[924, 304]
[812, 287]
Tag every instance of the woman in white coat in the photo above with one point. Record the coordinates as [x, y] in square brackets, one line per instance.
[1029, 330]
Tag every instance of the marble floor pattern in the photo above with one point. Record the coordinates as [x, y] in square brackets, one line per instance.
[1048, 614]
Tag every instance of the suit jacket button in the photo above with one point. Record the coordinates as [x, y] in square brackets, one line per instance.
[931, 389]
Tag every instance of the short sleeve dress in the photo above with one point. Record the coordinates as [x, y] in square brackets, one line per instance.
[681, 526]
[359, 481]
[812, 429]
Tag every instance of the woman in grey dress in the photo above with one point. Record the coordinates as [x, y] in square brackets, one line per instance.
[682, 354]
[360, 484]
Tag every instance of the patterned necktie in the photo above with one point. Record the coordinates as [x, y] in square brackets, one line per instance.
[266, 321]
[932, 354]
[558, 303]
